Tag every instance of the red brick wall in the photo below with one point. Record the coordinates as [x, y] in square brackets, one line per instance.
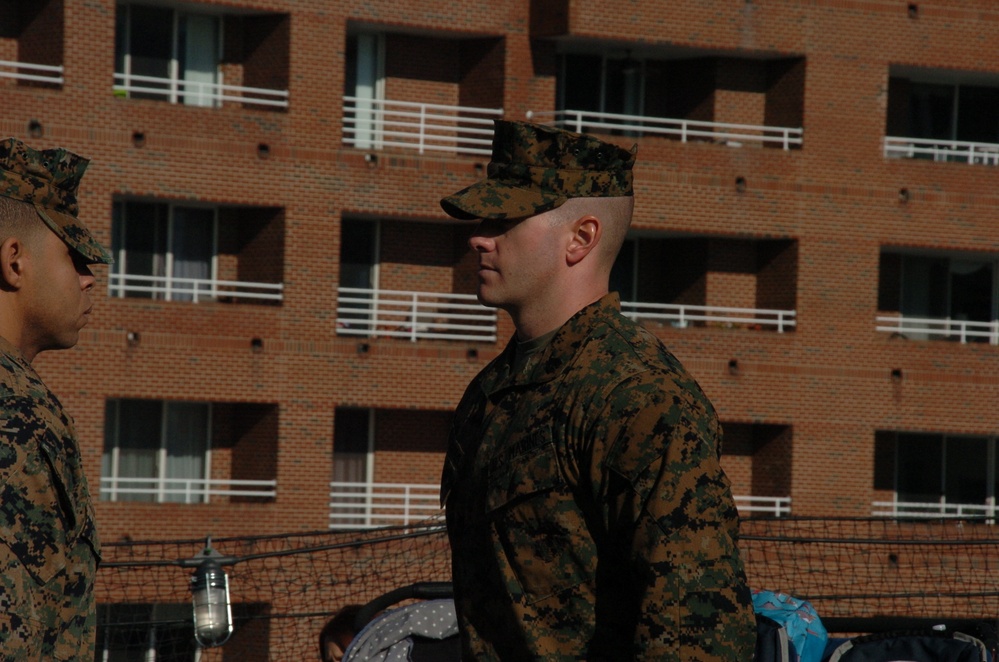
[836, 198]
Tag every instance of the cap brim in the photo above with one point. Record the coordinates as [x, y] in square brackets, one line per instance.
[75, 235]
[496, 199]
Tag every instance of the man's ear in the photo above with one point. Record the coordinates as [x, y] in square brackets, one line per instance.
[585, 236]
[11, 263]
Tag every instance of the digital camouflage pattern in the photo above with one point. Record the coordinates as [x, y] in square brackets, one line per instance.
[49, 547]
[48, 180]
[535, 168]
[588, 514]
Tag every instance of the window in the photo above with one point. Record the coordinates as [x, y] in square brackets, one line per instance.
[143, 632]
[352, 447]
[163, 251]
[945, 111]
[156, 451]
[164, 53]
[934, 470]
[952, 296]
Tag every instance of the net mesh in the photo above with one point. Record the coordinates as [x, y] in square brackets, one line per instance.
[285, 587]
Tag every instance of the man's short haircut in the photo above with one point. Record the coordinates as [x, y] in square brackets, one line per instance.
[18, 218]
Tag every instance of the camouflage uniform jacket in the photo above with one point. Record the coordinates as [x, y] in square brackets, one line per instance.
[587, 512]
[49, 548]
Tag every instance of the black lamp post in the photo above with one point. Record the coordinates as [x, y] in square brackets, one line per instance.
[210, 597]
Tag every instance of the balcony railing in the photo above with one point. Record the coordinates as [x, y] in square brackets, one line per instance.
[191, 289]
[377, 123]
[962, 331]
[42, 73]
[175, 90]
[182, 490]
[932, 509]
[961, 151]
[681, 316]
[413, 315]
[733, 135]
[369, 505]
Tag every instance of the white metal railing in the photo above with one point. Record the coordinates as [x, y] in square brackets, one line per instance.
[925, 327]
[776, 506]
[932, 509]
[186, 490]
[413, 315]
[378, 123]
[43, 73]
[175, 90]
[686, 130]
[367, 505]
[191, 289]
[962, 151]
[681, 316]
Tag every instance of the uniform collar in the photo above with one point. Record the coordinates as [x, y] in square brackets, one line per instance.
[580, 329]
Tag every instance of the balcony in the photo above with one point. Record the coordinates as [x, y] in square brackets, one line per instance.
[194, 290]
[718, 282]
[182, 490]
[681, 316]
[370, 505]
[684, 130]
[934, 510]
[942, 115]
[36, 73]
[766, 506]
[413, 315]
[356, 505]
[198, 55]
[197, 252]
[950, 151]
[938, 295]
[423, 127]
[32, 43]
[195, 93]
[961, 331]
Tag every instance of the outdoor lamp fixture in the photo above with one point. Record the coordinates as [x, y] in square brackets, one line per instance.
[210, 596]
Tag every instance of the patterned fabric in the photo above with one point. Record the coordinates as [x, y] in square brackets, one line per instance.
[49, 547]
[392, 636]
[535, 168]
[588, 514]
[48, 180]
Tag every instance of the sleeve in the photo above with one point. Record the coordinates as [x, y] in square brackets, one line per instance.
[668, 567]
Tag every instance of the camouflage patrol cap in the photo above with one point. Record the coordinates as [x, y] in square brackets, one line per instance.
[535, 168]
[48, 179]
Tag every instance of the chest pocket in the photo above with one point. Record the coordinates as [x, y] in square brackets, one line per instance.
[535, 520]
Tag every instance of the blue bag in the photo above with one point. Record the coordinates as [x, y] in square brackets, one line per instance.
[803, 625]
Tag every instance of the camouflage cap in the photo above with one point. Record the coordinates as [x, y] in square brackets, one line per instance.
[535, 168]
[48, 179]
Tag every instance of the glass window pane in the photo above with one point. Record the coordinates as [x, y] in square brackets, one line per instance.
[186, 444]
[919, 474]
[966, 463]
[198, 48]
[931, 111]
[581, 82]
[192, 245]
[971, 291]
[141, 247]
[357, 253]
[978, 114]
[138, 441]
[151, 47]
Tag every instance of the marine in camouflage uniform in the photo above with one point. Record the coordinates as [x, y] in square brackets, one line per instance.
[49, 547]
[588, 514]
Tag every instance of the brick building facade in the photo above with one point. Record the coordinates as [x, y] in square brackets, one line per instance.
[815, 237]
